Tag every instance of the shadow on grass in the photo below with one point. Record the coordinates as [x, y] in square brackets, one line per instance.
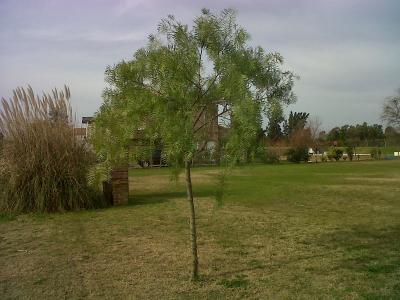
[161, 197]
[271, 267]
[154, 198]
[366, 249]
[372, 252]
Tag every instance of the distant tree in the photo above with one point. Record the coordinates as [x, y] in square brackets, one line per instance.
[333, 134]
[322, 135]
[301, 138]
[391, 110]
[314, 126]
[392, 136]
[275, 118]
[294, 122]
[170, 88]
[343, 132]
[354, 135]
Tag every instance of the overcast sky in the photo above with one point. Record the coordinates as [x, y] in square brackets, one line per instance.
[347, 52]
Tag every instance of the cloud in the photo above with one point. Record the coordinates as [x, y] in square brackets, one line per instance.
[346, 52]
[54, 35]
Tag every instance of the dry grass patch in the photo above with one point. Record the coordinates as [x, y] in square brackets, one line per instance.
[375, 179]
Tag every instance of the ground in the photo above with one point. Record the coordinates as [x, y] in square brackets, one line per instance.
[307, 231]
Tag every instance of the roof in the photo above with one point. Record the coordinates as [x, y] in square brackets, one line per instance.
[87, 120]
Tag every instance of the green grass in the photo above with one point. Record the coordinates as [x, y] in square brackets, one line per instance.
[307, 231]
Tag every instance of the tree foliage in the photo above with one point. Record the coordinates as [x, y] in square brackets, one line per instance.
[171, 87]
[275, 118]
[392, 136]
[391, 110]
[357, 135]
[295, 121]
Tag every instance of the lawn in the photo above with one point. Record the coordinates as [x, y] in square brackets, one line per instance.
[307, 231]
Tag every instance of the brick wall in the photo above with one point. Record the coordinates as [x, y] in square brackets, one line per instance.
[120, 185]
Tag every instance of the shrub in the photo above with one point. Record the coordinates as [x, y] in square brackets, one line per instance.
[335, 154]
[267, 156]
[43, 165]
[374, 153]
[350, 152]
[298, 154]
[272, 157]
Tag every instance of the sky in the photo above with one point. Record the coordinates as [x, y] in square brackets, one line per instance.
[346, 52]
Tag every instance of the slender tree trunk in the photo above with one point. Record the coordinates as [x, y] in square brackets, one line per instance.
[193, 235]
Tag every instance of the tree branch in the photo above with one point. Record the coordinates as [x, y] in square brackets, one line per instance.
[225, 110]
[199, 116]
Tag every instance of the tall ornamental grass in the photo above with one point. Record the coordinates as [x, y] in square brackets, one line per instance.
[43, 167]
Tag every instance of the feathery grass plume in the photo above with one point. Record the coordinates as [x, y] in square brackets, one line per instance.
[43, 166]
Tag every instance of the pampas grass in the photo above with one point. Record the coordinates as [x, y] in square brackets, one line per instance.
[43, 167]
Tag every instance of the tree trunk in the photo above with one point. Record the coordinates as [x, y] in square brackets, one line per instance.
[193, 235]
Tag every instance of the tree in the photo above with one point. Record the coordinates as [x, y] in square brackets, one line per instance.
[275, 118]
[294, 122]
[176, 87]
[392, 136]
[333, 134]
[391, 110]
[356, 135]
[314, 126]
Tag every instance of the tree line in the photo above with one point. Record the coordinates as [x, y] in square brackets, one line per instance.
[298, 125]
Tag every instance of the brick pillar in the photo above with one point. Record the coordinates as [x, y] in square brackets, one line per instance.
[120, 185]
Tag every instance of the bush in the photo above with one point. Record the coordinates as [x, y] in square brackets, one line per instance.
[298, 154]
[335, 154]
[267, 156]
[43, 165]
[376, 153]
[350, 152]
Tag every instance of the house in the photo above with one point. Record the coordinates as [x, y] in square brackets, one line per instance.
[83, 132]
[80, 133]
